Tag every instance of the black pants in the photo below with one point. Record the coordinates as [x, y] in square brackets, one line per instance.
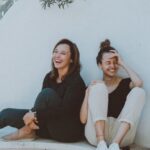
[14, 117]
[55, 129]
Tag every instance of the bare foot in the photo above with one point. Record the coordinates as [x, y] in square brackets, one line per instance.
[23, 133]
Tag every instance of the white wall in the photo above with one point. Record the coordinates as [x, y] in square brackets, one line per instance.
[28, 34]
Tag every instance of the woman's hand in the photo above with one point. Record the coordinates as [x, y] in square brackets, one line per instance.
[33, 126]
[29, 117]
[119, 58]
[136, 81]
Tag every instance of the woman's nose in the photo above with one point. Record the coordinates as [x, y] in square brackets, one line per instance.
[112, 66]
[57, 55]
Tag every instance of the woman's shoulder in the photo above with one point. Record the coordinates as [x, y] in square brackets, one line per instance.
[75, 78]
[47, 76]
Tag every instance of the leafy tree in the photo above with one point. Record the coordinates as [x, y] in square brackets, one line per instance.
[59, 3]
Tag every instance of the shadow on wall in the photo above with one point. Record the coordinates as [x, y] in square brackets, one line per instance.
[4, 6]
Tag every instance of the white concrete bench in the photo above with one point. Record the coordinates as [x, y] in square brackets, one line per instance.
[40, 144]
[45, 144]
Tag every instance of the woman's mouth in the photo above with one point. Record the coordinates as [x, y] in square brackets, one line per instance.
[58, 61]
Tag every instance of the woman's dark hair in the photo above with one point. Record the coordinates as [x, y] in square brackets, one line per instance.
[75, 59]
[105, 47]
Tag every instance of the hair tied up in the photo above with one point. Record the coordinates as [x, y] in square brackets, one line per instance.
[105, 44]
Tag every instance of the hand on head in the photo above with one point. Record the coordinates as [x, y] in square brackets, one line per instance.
[117, 55]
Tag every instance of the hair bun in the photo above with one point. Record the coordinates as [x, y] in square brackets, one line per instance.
[105, 44]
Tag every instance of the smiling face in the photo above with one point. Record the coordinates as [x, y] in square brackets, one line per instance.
[109, 64]
[62, 57]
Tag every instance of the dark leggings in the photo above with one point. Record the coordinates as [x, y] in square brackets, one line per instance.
[65, 130]
[14, 117]
[46, 99]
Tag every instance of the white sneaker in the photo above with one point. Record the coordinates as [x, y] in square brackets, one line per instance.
[114, 146]
[102, 146]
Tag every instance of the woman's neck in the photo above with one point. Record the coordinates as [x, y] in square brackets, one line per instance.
[62, 73]
[110, 80]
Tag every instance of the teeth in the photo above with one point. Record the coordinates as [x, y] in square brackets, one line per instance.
[112, 70]
[57, 61]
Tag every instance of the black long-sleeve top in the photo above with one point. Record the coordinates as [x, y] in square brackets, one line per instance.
[71, 92]
[62, 121]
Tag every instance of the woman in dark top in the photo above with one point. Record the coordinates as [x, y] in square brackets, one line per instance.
[112, 106]
[55, 114]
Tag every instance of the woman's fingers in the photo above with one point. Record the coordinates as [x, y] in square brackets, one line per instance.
[35, 120]
[28, 117]
[27, 122]
[116, 54]
[33, 125]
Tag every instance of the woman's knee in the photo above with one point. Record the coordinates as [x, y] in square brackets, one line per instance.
[138, 92]
[46, 98]
[98, 91]
[136, 99]
[98, 96]
[47, 91]
[99, 88]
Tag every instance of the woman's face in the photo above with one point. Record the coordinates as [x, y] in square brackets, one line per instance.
[109, 64]
[62, 57]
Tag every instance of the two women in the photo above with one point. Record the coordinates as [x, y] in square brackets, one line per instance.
[110, 110]
[55, 114]
[112, 106]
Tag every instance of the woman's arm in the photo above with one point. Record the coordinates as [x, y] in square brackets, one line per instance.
[84, 108]
[136, 81]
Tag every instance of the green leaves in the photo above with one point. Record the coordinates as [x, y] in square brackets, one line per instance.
[59, 3]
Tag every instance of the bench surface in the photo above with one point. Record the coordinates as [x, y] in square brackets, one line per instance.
[44, 144]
